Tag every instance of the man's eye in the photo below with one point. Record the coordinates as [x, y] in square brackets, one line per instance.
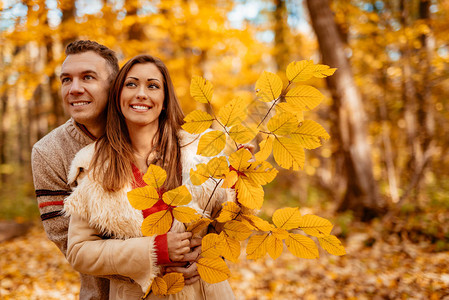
[88, 77]
[65, 80]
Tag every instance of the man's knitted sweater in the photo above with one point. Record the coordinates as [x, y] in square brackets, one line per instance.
[50, 159]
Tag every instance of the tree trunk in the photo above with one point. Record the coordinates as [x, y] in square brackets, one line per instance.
[3, 106]
[425, 94]
[388, 149]
[281, 52]
[361, 193]
[409, 97]
[418, 105]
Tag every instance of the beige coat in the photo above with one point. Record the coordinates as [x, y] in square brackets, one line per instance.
[96, 214]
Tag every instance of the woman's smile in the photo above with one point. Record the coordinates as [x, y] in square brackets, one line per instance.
[140, 107]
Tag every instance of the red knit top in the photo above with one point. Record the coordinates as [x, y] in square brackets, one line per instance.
[160, 242]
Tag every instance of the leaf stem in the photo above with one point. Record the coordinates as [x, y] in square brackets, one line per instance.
[219, 123]
[213, 192]
[266, 132]
[275, 102]
[227, 132]
[268, 112]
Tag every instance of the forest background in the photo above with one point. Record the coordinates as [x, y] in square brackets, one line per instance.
[381, 177]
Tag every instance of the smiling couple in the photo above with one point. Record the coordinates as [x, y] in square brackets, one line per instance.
[121, 122]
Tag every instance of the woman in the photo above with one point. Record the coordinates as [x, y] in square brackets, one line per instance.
[143, 128]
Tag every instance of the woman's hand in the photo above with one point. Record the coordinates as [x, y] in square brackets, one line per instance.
[189, 270]
[178, 244]
[190, 273]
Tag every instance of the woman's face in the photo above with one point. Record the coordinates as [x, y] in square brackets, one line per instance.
[142, 96]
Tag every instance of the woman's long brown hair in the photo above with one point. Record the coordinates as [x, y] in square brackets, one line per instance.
[113, 158]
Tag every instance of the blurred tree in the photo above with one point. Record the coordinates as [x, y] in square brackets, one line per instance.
[281, 47]
[419, 107]
[361, 193]
[397, 58]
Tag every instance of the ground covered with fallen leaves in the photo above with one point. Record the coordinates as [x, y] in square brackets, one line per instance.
[377, 266]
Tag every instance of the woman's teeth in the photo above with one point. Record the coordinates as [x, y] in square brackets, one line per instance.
[140, 107]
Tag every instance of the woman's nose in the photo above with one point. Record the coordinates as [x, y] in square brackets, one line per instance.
[141, 95]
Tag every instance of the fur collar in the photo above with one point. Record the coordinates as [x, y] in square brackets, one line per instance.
[111, 212]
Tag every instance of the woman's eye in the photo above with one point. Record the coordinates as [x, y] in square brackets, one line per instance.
[130, 84]
[153, 86]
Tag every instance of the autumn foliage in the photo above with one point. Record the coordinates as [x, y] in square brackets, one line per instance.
[285, 135]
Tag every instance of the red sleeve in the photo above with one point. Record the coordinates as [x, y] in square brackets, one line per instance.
[161, 246]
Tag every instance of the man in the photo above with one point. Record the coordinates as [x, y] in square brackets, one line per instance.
[86, 75]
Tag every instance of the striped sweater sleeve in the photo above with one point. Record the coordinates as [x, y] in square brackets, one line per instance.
[51, 189]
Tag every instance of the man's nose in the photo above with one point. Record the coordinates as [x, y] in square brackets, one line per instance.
[76, 88]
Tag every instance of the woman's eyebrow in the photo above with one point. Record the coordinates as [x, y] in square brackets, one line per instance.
[149, 79]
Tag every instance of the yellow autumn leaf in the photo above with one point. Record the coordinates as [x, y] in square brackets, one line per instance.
[250, 194]
[283, 123]
[280, 233]
[288, 154]
[200, 175]
[305, 97]
[297, 111]
[201, 89]
[218, 167]
[148, 290]
[315, 226]
[274, 246]
[231, 247]
[301, 246]
[239, 159]
[185, 214]
[211, 143]
[237, 230]
[197, 121]
[322, 71]
[332, 245]
[265, 146]
[309, 134]
[229, 212]
[287, 218]
[242, 134]
[155, 176]
[232, 113]
[198, 226]
[157, 223]
[256, 223]
[268, 87]
[143, 198]
[261, 172]
[300, 70]
[257, 246]
[177, 196]
[213, 270]
[159, 286]
[174, 282]
[230, 180]
[211, 246]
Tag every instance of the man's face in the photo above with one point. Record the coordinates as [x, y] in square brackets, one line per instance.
[84, 87]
